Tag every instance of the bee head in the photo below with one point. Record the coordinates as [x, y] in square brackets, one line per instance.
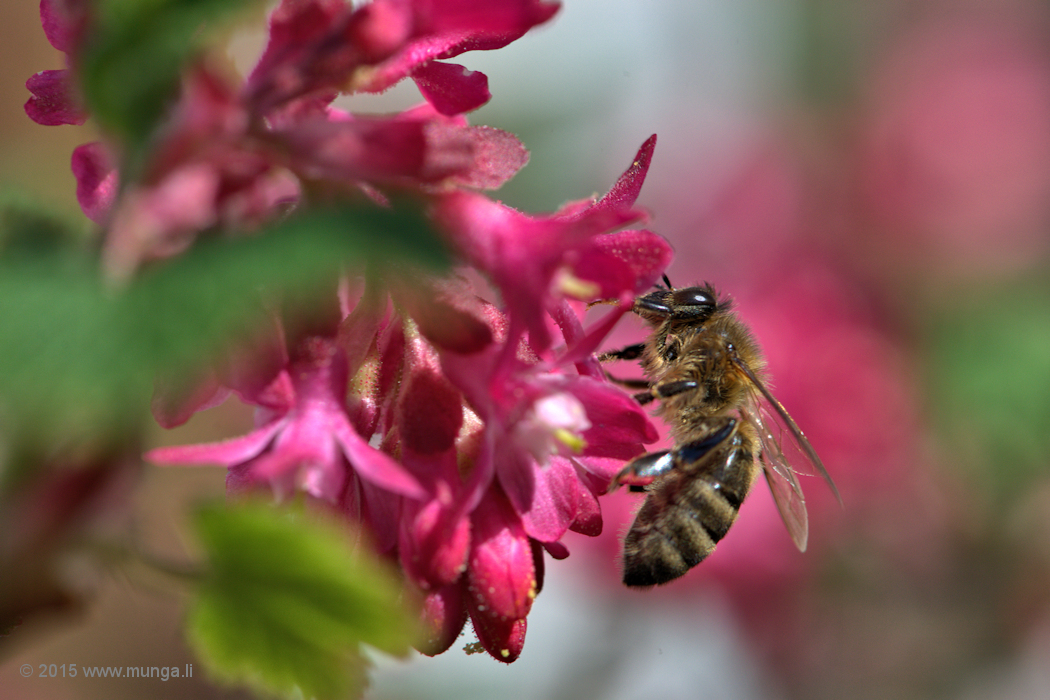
[685, 304]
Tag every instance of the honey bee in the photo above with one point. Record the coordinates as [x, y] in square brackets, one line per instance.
[705, 368]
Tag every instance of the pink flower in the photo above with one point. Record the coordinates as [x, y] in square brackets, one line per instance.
[498, 451]
[326, 45]
[305, 440]
[466, 438]
[234, 158]
[217, 166]
[538, 259]
[485, 458]
[54, 94]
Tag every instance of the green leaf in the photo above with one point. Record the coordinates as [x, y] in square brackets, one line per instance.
[287, 601]
[77, 359]
[133, 58]
[196, 304]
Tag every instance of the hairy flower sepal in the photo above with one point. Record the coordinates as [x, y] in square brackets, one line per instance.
[443, 616]
[501, 577]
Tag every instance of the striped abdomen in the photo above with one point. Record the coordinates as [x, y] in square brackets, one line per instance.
[686, 513]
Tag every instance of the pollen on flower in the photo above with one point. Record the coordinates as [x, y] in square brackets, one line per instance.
[360, 78]
[573, 287]
[573, 441]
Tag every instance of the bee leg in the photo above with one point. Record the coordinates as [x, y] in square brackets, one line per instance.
[631, 352]
[644, 470]
[628, 383]
[665, 390]
[719, 429]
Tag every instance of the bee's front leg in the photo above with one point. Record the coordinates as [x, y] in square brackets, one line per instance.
[665, 390]
[631, 352]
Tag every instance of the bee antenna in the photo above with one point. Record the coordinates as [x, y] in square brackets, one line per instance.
[667, 282]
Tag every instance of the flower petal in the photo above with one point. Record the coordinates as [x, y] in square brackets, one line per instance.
[497, 156]
[96, 180]
[63, 21]
[588, 511]
[555, 501]
[556, 549]
[645, 253]
[451, 88]
[625, 191]
[430, 410]
[619, 425]
[226, 452]
[446, 28]
[375, 466]
[491, 18]
[52, 102]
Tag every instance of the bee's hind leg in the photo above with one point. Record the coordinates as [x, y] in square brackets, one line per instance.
[644, 470]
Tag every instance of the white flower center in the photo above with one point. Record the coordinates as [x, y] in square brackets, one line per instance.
[554, 425]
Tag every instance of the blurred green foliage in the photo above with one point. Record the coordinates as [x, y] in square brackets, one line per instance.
[286, 602]
[78, 359]
[132, 63]
[989, 364]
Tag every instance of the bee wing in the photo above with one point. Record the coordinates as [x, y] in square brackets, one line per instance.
[777, 431]
[787, 493]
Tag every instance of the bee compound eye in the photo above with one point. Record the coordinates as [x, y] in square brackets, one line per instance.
[694, 296]
[694, 302]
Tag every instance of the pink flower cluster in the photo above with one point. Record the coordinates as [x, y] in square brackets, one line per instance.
[467, 437]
